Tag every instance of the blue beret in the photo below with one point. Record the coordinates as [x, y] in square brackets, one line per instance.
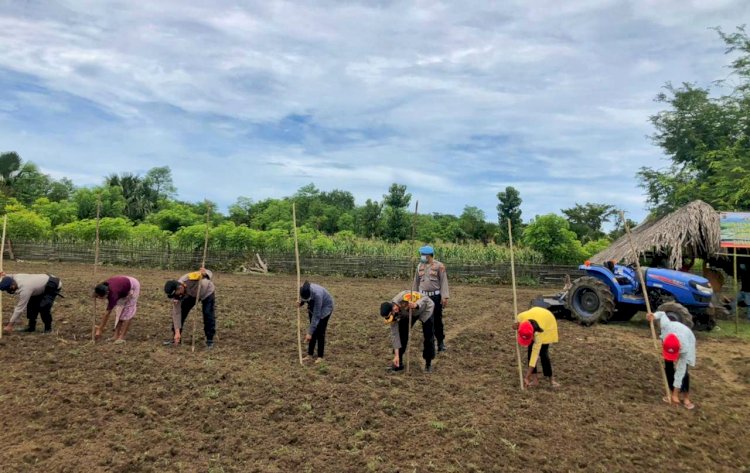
[6, 283]
[426, 250]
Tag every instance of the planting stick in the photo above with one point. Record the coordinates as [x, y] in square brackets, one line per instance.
[411, 283]
[200, 279]
[2, 256]
[515, 299]
[299, 282]
[96, 261]
[646, 299]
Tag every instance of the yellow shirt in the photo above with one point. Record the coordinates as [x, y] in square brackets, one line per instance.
[546, 321]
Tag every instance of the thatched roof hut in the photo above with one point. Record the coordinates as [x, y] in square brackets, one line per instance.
[693, 230]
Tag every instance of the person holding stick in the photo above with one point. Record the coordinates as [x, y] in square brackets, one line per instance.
[537, 330]
[184, 293]
[122, 294]
[678, 350]
[431, 280]
[396, 313]
[36, 296]
[319, 309]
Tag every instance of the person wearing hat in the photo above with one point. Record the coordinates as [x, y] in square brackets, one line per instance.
[121, 293]
[396, 314]
[678, 350]
[537, 330]
[184, 292]
[319, 309]
[36, 296]
[431, 279]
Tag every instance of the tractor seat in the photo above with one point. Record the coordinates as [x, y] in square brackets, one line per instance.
[622, 280]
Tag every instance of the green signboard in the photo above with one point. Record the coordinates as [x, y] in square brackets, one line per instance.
[735, 229]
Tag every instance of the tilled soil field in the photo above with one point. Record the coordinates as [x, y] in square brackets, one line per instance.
[69, 405]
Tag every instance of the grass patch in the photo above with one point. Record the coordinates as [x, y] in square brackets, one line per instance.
[726, 329]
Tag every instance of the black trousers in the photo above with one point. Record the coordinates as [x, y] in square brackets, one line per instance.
[669, 369]
[42, 304]
[209, 316]
[318, 337]
[428, 330]
[544, 357]
[437, 317]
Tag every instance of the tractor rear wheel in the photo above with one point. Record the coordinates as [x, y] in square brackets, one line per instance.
[590, 301]
[677, 312]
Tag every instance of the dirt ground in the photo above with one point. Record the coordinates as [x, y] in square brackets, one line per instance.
[69, 405]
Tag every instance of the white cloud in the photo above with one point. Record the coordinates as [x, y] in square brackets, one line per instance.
[455, 99]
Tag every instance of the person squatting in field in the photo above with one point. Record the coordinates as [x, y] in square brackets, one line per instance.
[678, 350]
[396, 313]
[431, 279]
[121, 293]
[537, 329]
[184, 293]
[36, 296]
[319, 309]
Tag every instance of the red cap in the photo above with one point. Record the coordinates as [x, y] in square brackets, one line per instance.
[525, 333]
[671, 347]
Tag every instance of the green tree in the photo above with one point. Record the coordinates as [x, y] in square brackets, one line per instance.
[586, 220]
[10, 164]
[619, 229]
[29, 184]
[509, 208]
[705, 138]
[113, 202]
[174, 217]
[61, 190]
[551, 236]
[241, 211]
[139, 197]
[368, 218]
[397, 224]
[472, 221]
[159, 181]
[25, 224]
[57, 213]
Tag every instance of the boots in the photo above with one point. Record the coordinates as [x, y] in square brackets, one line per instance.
[441, 346]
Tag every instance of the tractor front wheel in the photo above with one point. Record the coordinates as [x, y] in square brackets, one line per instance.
[590, 301]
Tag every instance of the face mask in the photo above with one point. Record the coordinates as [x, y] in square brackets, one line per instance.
[423, 258]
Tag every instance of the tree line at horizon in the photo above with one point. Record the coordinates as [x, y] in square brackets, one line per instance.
[705, 137]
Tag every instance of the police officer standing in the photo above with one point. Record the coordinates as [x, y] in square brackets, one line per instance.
[431, 280]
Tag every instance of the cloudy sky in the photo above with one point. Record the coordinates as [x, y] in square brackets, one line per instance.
[455, 99]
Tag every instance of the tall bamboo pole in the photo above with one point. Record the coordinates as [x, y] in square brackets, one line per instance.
[2, 257]
[299, 282]
[736, 298]
[642, 280]
[200, 279]
[96, 261]
[411, 283]
[515, 300]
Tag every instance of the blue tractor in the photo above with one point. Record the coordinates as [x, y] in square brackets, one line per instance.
[613, 292]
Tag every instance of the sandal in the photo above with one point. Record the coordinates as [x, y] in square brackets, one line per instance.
[689, 405]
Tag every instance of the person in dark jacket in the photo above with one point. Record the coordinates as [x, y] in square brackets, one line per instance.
[319, 309]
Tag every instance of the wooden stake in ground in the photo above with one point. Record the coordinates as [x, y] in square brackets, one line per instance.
[200, 279]
[515, 300]
[642, 280]
[299, 283]
[96, 263]
[2, 256]
[411, 284]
